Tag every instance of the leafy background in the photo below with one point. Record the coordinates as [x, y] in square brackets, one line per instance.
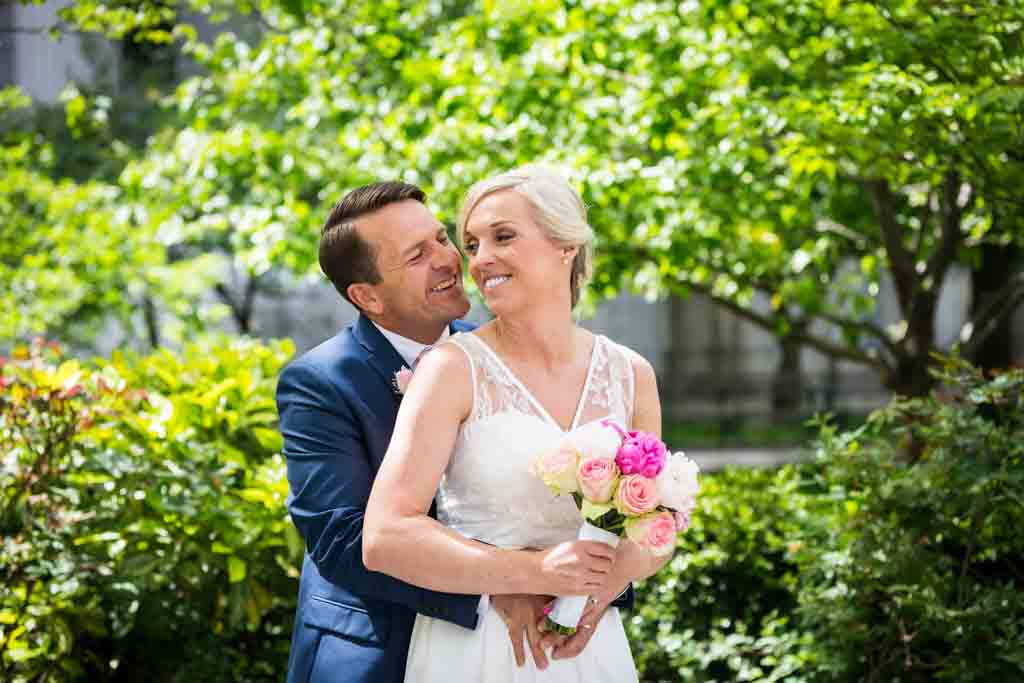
[785, 160]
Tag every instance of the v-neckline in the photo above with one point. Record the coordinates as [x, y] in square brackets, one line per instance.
[533, 399]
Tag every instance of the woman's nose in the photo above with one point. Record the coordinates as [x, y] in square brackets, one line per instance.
[483, 254]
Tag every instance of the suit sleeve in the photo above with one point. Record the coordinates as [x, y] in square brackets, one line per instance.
[626, 598]
[329, 479]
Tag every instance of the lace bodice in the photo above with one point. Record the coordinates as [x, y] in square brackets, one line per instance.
[487, 491]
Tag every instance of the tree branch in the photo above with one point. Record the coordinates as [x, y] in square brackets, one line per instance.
[241, 311]
[925, 218]
[949, 239]
[900, 260]
[1002, 304]
[863, 325]
[825, 346]
[803, 337]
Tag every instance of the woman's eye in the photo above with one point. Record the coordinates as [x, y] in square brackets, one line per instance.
[443, 239]
[504, 236]
[471, 247]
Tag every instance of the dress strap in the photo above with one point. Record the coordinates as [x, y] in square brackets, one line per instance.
[462, 340]
[495, 390]
[612, 391]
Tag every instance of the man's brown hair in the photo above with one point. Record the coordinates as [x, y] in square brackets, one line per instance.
[345, 257]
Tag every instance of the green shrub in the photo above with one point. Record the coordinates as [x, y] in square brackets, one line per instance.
[920, 576]
[144, 536]
[142, 512]
[720, 611]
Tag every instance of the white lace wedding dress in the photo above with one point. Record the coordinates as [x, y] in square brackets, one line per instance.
[487, 493]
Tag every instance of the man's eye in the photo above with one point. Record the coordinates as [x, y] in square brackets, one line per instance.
[471, 247]
[443, 238]
[415, 257]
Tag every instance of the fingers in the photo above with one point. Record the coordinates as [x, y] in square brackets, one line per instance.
[588, 611]
[516, 635]
[598, 549]
[575, 643]
[551, 640]
[536, 638]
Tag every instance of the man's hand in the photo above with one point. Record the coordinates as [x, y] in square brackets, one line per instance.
[568, 647]
[523, 613]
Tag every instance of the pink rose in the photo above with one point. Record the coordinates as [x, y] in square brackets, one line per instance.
[597, 479]
[641, 453]
[557, 468]
[656, 532]
[636, 495]
[402, 379]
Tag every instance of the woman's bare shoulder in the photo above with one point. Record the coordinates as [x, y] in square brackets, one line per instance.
[642, 368]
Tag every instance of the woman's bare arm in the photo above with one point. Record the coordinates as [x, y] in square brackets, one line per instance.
[401, 540]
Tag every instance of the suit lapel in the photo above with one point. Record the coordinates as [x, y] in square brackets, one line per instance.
[383, 357]
[385, 361]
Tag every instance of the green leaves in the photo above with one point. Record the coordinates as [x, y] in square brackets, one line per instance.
[926, 548]
[155, 513]
[860, 565]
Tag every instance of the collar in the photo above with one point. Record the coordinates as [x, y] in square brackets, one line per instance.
[408, 349]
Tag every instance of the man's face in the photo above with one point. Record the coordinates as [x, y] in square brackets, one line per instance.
[421, 271]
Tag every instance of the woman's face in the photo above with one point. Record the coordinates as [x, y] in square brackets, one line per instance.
[511, 259]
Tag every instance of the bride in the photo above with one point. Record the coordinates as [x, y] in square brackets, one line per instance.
[480, 407]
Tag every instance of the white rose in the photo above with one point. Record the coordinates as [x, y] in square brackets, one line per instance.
[677, 484]
[595, 440]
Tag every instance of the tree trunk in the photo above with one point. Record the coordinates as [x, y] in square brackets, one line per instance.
[995, 269]
[787, 387]
[151, 318]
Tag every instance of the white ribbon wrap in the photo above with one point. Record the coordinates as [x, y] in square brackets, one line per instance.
[567, 610]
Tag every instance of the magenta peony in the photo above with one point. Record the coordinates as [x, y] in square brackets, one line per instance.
[641, 453]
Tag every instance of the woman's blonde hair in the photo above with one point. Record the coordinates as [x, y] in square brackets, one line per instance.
[559, 210]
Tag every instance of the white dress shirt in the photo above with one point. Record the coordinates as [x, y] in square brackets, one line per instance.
[409, 349]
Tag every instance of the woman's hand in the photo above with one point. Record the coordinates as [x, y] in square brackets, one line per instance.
[576, 567]
[632, 563]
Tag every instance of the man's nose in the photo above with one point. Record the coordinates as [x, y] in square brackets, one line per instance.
[445, 256]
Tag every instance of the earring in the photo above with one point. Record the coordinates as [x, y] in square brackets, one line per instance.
[565, 260]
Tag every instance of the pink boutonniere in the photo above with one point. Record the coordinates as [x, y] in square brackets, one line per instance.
[400, 382]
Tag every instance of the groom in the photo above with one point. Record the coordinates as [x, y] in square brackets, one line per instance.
[391, 259]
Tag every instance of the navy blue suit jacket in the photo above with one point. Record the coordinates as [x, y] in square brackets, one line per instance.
[337, 407]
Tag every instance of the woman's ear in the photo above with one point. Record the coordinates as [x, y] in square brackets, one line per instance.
[569, 253]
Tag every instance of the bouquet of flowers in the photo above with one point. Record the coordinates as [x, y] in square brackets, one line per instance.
[625, 484]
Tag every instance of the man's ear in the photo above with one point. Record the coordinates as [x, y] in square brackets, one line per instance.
[364, 296]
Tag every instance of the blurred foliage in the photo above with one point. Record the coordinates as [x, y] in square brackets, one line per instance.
[145, 535]
[142, 512]
[77, 254]
[779, 157]
[920, 574]
[723, 609]
[860, 566]
[738, 433]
